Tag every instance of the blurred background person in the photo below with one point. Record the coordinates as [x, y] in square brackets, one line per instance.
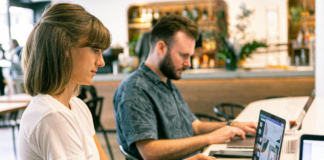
[15, 57]
[142, 48]
[2, 52]
[11, 73]
[2, 84]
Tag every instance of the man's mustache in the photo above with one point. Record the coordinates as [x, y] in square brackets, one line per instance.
[183, 69]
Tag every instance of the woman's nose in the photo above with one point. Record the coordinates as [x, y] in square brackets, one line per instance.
[100, 62]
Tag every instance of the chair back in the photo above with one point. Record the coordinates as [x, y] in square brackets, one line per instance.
[271, 97]
[95, 107]
[89, 95]
[228, 110]
[87, 91]
[127, 155]
[205, 117]
[8, 119]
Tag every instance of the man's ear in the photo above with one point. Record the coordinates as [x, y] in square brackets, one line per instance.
[161, 48]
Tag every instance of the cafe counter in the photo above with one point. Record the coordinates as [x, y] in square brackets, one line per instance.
[222, 74]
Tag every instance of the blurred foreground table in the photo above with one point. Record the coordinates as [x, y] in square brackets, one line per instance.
[23, 97]
[287, 108]
[11, 107]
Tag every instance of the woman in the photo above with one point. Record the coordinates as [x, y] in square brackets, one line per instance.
[62, 52]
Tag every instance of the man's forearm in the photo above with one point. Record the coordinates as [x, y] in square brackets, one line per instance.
[207, 127]
[171, 149]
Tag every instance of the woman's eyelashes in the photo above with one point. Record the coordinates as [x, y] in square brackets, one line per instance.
[96, 50]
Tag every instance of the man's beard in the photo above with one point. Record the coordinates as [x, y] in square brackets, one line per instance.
[167, 67]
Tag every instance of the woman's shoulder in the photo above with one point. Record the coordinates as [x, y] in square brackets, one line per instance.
[42, 105]
[40, 108]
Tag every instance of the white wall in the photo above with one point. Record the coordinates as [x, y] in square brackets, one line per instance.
[319, 50]
[259, 24]
[113, 14]
[259, 28]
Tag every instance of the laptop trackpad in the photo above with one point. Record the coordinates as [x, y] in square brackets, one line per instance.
[239, 142]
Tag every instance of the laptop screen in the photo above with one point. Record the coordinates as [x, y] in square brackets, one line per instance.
[268, 140]
[295, 125]
[312, 147]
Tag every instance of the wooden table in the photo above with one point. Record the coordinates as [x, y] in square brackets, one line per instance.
[10, 107]
[23, 97]
[287, 108]
[10, 103]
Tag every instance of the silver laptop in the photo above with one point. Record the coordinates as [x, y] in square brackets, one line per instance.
[296, 125]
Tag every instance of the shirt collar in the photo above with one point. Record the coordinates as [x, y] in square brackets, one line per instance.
[153, 76]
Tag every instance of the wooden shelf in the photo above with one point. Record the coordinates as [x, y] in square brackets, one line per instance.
[308, 18]
[139, 25]
[209, 52]
[206, 23]
[148, 25]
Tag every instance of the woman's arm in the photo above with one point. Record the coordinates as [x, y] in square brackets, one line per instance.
[102, 153]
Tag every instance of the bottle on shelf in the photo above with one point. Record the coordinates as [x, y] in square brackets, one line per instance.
[143, 15]
[135, 13]
[204, 15]
[156, 14]
[149, 15]
[212, 38]
[299, 38]
[185, 12]
[302, 57]
[205, 61]
[195, 14]
[167, 11]
[176, 11]
[306, 37]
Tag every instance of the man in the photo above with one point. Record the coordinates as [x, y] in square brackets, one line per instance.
[153, 121]
[15, 57]
[142, 48]
[2, 84]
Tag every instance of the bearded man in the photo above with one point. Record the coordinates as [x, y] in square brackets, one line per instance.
[153, 120]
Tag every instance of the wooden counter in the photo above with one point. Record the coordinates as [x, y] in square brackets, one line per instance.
[220, 74]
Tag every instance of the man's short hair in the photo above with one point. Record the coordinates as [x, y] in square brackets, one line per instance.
[168, 26]
[47, 55]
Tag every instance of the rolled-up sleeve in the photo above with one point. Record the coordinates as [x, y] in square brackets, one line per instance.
[137, 121]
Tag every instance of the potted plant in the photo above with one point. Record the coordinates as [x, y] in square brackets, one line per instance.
[240, 47]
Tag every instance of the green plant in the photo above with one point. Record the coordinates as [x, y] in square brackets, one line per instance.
[295, 15]
[249, 47]
[241, 47]
[132, 45]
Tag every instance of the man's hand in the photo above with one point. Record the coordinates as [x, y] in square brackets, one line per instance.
[200, 157]
[223, 134]
[248, 127]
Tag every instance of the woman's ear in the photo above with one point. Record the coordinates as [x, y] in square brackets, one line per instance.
[161, 48]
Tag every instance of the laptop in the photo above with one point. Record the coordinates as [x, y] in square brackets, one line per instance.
[267, 142]
[238, 142]
[296, 125]
[311, 147]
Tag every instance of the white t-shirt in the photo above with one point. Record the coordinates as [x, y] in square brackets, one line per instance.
[49, 130]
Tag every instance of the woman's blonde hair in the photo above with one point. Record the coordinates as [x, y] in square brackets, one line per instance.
[47, 57]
